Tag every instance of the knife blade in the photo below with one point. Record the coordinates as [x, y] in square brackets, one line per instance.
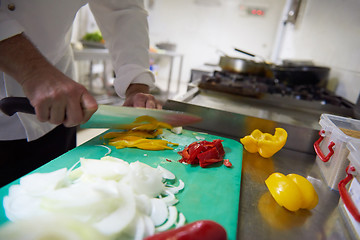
[108, 116]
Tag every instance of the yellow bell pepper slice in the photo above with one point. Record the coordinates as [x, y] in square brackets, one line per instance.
[146, 123]
[293, 191]
[264, 143]
[141, 134]
[310, 197]
[142, 143]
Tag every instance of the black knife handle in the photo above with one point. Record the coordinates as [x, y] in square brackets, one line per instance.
[11, 105]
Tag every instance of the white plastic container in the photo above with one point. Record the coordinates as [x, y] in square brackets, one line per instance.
[349, 203]
[331, 147]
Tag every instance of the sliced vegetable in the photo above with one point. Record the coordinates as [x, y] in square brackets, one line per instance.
[142, 143]
[50, 227]
[147, 123]
[111, 196]
[204, 230]
[173, 215]
[293, 191]
[141, 134]
[177, 130]
[264, 143]
[227, 163]
[203, 153]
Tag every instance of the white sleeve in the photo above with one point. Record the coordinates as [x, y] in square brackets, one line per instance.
[8, 26]
[124, 26]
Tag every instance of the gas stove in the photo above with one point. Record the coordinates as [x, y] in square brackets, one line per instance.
[264, 87]
[264, 98]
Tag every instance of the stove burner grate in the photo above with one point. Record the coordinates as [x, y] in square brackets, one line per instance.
[258, 86]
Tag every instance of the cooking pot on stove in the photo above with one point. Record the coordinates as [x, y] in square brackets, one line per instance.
[302, 75]
[244, 66]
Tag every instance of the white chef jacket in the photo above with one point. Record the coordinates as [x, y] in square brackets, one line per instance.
[47, 23]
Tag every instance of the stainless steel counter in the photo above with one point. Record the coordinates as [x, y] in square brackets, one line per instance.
[260, 217]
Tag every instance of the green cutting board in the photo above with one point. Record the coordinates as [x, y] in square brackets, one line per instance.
[211, 193]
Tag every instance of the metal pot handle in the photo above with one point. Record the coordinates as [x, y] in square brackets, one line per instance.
[318, 150]
[345, 196]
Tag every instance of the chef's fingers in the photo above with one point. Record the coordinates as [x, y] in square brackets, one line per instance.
[138, 100]
[43, 111]
[151, 102]
[57, 112]
[158, 105]
[74, 112]
[89, 106]
[146, 101]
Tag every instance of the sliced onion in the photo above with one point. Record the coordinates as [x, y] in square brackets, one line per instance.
[166, 173]
[40, 183]
[109, 149]
[115, 197]
[50, 227]
[106, 168]
[171, 220]
[73, 166]
[145, 179]
[174, 189]
[20, 205]
[114, 159]
[143, 204]
[139, 229]
[121, 217]
[159, 211]
[199, 138]
[149, 226]
[170, 199]
[177, 130]
[83, 201]
[181, 221]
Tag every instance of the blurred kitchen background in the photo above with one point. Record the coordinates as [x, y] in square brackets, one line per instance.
[326, 32]
[189, 37]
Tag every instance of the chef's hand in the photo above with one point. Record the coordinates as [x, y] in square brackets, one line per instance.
[137, 95]
[56, 98]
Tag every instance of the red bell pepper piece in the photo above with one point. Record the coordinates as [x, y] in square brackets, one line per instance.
[204, 230]
[195, 151]
[203, 153]
[209, 161]
[211, 153]
[219, 147]
[227, 163]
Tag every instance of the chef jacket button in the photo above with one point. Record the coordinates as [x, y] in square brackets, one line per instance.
[11, 6]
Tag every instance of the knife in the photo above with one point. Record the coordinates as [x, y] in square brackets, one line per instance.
[107, 116]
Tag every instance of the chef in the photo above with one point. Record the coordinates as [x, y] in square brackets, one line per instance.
[36, 62]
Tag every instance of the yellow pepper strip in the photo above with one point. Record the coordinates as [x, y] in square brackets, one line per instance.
[144, 134]
[140, 134]
[147, 123]
[151, 126]
[264, 143]
[147, 144]
[293, 191]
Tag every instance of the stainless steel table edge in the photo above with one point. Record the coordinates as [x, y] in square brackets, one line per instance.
[260, 217]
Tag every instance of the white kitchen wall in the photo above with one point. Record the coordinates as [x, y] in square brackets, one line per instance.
[328, 32]
[202, 29]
